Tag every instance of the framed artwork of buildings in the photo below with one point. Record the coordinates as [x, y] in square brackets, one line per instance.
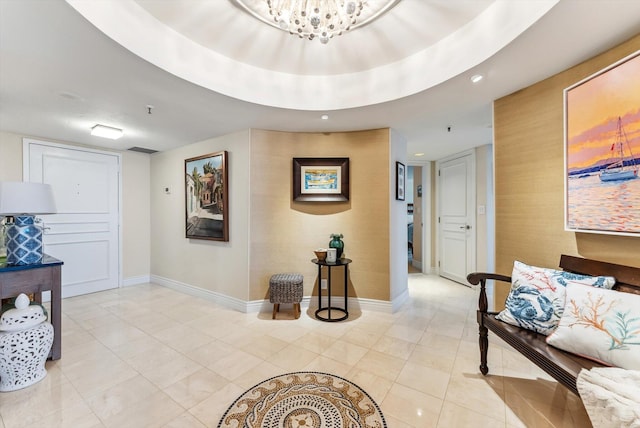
[206, 197]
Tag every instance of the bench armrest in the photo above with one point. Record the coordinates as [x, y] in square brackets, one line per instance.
[481, 278]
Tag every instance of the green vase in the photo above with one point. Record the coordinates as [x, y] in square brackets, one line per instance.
[337, 243]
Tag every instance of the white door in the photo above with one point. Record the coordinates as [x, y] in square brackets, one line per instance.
[84, 231]
[456, 216]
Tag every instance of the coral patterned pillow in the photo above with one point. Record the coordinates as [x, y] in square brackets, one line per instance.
[603, 325]
[536, 299]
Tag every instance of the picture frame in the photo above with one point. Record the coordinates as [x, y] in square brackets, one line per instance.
[400, 181]
[602, 151]
[320, 179]
[207, 197]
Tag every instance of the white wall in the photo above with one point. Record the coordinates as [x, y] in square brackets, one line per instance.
[397, 223]
[219, 269]
[428, 233]
[135, 200]
[136, 210]
[485, 231]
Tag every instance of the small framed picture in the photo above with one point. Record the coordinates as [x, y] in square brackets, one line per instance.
[321, 179]
[400, 178]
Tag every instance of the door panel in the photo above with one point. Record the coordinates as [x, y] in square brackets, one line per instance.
[456, 216]
[84, 232]
[82, 185]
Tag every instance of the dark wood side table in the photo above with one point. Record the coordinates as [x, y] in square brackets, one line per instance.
[34, 279]
[345, 313]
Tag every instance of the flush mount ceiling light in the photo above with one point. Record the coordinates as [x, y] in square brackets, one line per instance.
[322, 19]
[106, 132]
[324, 117]
[476, 78]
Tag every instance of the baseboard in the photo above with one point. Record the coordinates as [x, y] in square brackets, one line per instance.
[222, 299]
[255, 306]
[429, 271]
[372, 305]
[135, 280]
[399, 301]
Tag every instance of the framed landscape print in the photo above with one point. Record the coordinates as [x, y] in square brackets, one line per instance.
[602, 151]
[400, 179]
[206, 197]
[321, 179]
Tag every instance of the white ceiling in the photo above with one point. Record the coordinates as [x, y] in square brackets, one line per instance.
[60, 75]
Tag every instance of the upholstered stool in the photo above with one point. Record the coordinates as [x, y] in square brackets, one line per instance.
[286, 288]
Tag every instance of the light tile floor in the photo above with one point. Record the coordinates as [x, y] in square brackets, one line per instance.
[148, 356]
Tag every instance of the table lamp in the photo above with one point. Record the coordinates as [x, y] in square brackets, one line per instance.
[22, 201]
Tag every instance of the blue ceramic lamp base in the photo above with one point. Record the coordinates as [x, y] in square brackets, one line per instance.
[24, 241]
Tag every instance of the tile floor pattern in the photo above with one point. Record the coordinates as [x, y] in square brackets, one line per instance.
[149, 356]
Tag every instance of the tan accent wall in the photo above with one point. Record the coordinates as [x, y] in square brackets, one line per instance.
[284, 233]
[529, 177]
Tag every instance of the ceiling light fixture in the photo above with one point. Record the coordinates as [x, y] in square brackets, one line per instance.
[107, 132]
[324, 117]
[418, 154]
[322, 19]
[476, 78]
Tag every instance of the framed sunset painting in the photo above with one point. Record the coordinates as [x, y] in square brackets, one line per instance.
[602, 151]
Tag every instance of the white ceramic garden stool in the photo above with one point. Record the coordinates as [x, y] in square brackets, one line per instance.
[25, 343]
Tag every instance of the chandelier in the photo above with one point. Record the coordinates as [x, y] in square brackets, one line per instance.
[321, 19]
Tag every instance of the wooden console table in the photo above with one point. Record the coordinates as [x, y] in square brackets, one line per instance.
[34, 279]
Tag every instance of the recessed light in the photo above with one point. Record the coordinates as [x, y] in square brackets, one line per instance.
[324, 117]
[419, 154]
[476, 78]
[106, 132]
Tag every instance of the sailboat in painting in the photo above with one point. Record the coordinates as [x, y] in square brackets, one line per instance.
[617, 170]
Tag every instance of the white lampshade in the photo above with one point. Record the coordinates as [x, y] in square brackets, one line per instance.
[17, 197]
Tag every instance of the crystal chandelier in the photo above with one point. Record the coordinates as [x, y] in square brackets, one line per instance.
[321, 19]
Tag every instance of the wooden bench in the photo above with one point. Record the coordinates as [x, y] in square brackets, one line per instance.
[561, 365]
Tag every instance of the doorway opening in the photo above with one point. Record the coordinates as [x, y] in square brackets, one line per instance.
[415, 220]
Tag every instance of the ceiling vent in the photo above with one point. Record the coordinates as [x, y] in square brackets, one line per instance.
[142, 150]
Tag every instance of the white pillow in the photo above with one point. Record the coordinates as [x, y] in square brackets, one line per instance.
[603, 325]
[536, 299]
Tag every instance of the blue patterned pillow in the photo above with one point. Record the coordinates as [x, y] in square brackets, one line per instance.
[537, 296]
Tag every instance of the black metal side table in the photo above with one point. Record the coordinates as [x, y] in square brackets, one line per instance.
[341, 262]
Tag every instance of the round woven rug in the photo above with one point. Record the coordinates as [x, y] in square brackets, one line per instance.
[304, 400]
